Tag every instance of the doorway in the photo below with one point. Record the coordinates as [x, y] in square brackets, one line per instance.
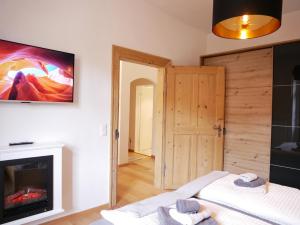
[142, 144]
[190, 114]
[137, 118]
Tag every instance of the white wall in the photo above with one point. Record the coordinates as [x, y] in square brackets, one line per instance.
[154, 32]
[144, 120]
[288, 31]
[128, 73]
[132, 111]
[87, 28]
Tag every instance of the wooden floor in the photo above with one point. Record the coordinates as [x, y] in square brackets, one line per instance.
[84, 218]
[132, 156]
[135, 182]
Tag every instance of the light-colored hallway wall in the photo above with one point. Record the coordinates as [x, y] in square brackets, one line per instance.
[132, 113]
[129, 73]
[144, 120]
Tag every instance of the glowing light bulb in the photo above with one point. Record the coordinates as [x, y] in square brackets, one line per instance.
[244, 34]
[244, 27]
[245, 19]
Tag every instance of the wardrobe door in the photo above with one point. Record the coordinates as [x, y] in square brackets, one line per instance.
[285, 147]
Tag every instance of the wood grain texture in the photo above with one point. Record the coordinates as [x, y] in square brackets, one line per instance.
[136, 181]
[81, 218]
[194, 106]
[248, 109]
[158, 127]
[247, 49]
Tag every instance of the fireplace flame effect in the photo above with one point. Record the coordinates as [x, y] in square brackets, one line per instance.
[24, 197]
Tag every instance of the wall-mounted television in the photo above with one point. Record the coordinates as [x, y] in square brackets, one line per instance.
[34, 74]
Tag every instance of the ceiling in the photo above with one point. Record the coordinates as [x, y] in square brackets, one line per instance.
[198, 13]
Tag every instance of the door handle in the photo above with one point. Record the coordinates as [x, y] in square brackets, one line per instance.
[117, 134]
[219, 129]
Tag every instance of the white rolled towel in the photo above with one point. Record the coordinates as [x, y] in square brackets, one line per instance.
[248, 177]
[189, 219]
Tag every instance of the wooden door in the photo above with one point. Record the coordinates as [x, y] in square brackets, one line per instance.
[194, 123]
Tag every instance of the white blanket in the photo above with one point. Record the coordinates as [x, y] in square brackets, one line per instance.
[280, 204]
[222, 215]
[150, 205]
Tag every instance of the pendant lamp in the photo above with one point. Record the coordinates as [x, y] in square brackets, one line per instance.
[245, 19]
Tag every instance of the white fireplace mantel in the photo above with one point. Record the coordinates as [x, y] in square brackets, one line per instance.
[37, 150]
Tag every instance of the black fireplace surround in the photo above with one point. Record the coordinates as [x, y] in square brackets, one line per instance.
[26, 187]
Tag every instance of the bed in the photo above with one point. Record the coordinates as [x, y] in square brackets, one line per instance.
[280, 204]
[215, 191]
[223, 215]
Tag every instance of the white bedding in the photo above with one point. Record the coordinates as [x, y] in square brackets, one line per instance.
[221, 214]
[280, 204]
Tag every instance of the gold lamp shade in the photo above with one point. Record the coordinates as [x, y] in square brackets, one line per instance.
[245, 19]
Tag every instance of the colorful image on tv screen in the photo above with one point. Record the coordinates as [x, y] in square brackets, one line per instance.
[29, 73]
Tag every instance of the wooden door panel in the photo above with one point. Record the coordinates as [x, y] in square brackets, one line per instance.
[205, 155]
[207, 102]
[169, 126]
[193, 157]
[194, 108]
[186, 101]
[181, 159]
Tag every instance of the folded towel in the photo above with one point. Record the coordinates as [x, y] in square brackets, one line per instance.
[248, 177]
[187, 206]
[255, 183]
[189, 219]
[209, 221]
[165, 218]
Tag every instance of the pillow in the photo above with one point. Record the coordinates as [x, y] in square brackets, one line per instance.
[118, 217]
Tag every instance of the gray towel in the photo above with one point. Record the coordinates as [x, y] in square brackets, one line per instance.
[255, 183]
[209, 221]
[165, 218]
[187, 206]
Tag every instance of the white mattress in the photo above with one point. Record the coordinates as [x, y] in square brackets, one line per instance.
[280, 204]
[221, 214]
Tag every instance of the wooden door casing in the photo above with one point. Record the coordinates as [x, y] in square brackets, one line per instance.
[194, 109]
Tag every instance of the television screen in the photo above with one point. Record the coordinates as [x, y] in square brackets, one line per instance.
[33, 74]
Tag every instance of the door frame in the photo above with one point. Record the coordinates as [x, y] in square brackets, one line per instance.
[128, 55]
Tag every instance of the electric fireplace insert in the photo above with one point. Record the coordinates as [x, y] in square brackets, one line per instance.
[26, 187]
